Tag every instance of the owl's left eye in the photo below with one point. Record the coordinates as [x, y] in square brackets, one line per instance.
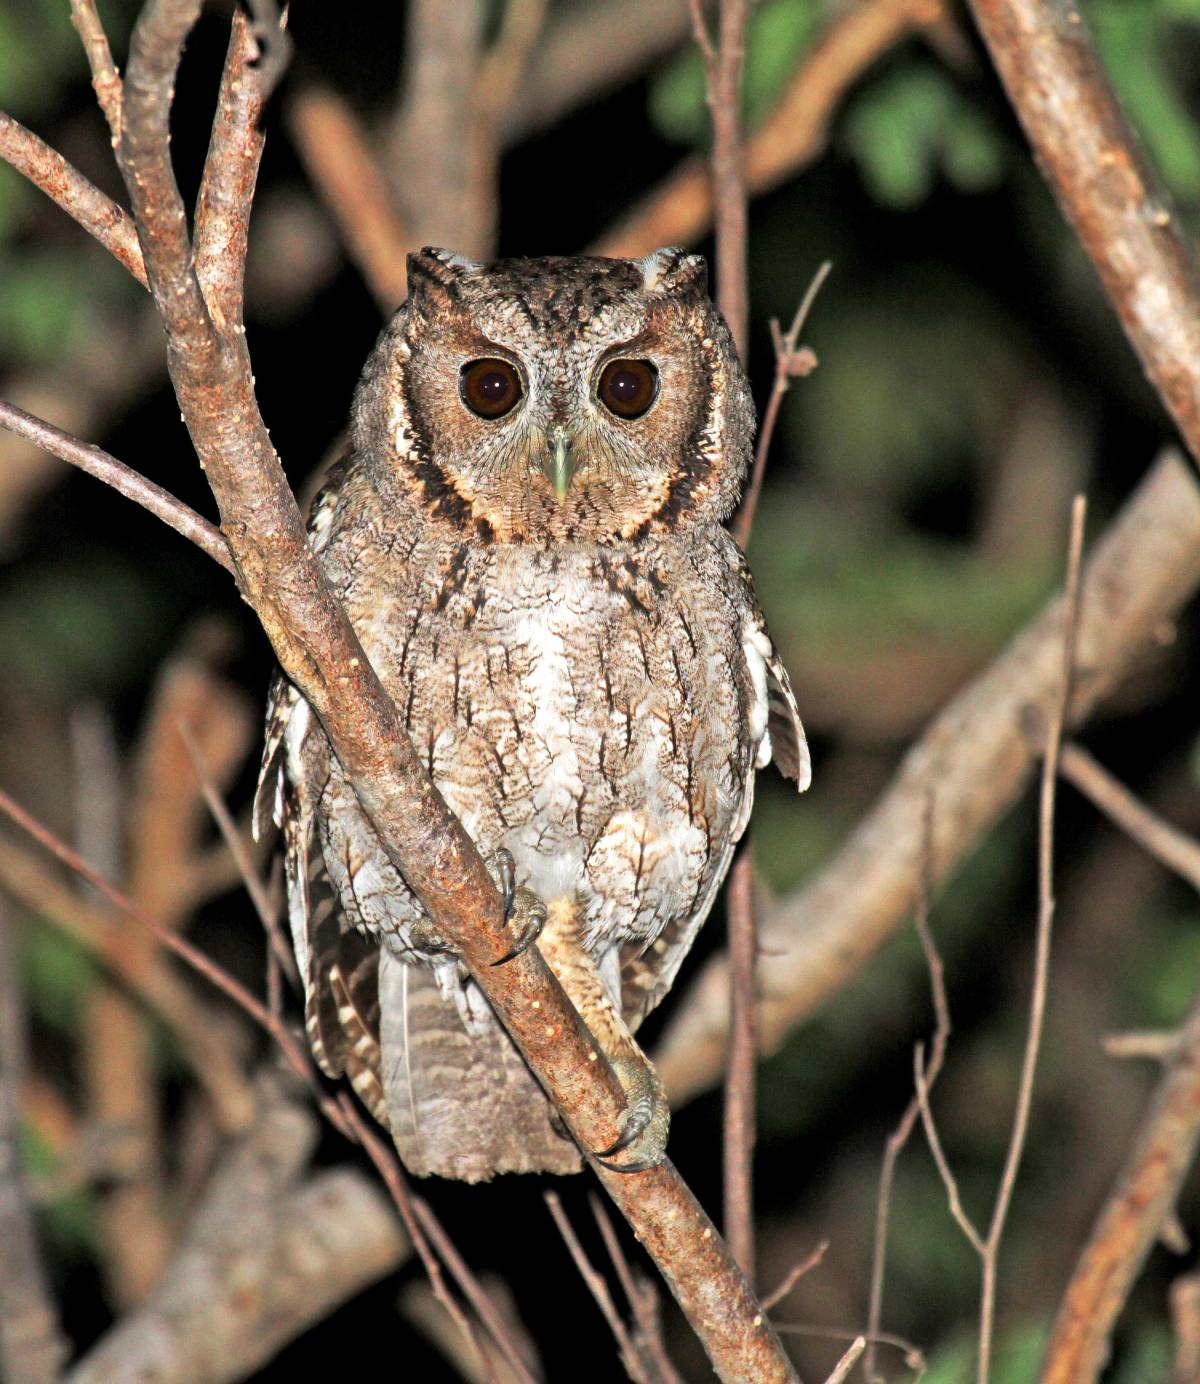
[490, 387]
[628, 387]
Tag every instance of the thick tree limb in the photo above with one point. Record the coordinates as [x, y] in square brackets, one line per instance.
[979, 753]
[267, 1254]
[1107, 190]
[31, 1347]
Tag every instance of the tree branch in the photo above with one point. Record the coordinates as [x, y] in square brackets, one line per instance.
[1106, 188]
[979, 755]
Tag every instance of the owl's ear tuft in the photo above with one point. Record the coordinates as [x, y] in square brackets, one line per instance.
[434, 275]
[672, 270]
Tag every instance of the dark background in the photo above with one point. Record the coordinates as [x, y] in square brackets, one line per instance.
[971, 380]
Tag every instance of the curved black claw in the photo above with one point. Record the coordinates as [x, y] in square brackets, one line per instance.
[528, 914]
[646, 1121]
[504, 872]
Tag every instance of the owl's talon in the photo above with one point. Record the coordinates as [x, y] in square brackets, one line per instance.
[646, 1121]
[504, 871]
[529, 917]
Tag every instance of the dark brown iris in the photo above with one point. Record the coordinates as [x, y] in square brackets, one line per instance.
[628, 387]
[489, 387]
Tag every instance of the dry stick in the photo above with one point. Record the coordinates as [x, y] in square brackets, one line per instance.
[1185, 1322]
[599, 1291]
[1176, 850]
[32, 1348]
[978, 754]
[790, 363]
[639, 1293]
[988, 1247]
[296, 1054]
[723, 64]
[318, 650]
[841, 1371]
[738, 1131]
[106, 80]
[266, 907]
[122, 478]
[338, 158]
[1106, 189]
[898, 1139]
[680, 210]
[1140, 1203]
[97, 213]
[795, 1274]
[474, 1292]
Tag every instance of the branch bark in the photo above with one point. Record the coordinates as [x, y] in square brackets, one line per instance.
[979, 754]
[268, 1253]
[1106, 188]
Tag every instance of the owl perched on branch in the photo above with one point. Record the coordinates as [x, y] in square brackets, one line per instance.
[527, 537]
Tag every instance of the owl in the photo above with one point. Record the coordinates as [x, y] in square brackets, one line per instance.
[527, 535]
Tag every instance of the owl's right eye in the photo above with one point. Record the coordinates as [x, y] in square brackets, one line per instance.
[489, 387]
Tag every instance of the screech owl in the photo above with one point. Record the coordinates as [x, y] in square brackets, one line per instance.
[527, 536]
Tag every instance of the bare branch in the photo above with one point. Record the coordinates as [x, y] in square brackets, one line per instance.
[1106, 189]
[122, 478]
[680, 210]
[743, 1058]
[1174, 848]
[97, 213]
[978, 754]
[267, 1253]
[795, 1274]
[32, 1349]
[790, 363]
[106, 80]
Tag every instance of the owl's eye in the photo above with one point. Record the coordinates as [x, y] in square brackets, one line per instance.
[628, 387]
[489, 387]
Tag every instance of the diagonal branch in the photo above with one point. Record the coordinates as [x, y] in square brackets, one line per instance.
[1106, 187]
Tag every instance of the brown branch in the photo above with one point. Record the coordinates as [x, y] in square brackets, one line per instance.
[1106, 188]
[122, 478]
[1174, 848]
[978, 754]
[743, 1057]
[1138, 1206]
[267, 1253]
[97, 213]
[791, 362]
[1185, 1321]
[337, 155]
[723, 65]
[106, 80]
[32, 1349]
[680, 210]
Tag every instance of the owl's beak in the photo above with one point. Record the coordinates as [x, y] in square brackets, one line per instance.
[559, 464]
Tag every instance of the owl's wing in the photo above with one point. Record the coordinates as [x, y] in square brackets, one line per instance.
[789, 747]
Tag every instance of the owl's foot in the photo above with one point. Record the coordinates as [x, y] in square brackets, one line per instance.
[646, 1121]
[522, 907]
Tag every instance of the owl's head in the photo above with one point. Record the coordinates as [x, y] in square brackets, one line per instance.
[558, 400]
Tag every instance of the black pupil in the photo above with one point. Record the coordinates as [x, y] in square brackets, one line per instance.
[625, 386]
[493, 386]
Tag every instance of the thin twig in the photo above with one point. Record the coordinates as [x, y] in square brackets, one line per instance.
[106, 80]
[1176, 850]
[841, 1371]
[790, 363]
[898, 1139]
[97, 213]
[743, 1058]
[599, 1291]
[723, 64]
[474, 1292]
[122, 478]
[265, 906]
[795, 1274]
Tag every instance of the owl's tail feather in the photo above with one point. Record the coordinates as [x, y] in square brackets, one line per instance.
[460, 1104]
